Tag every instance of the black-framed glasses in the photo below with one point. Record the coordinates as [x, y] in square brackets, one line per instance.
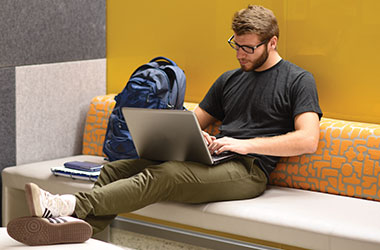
[245, 48]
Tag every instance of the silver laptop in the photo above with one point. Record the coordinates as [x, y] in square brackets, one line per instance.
[169, 135]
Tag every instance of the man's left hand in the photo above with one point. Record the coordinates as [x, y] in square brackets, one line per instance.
[223, 144]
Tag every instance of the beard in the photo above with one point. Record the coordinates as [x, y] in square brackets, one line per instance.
[258, 62]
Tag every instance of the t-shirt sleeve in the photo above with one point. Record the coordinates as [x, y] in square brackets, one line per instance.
[305, 95]
[212, 102]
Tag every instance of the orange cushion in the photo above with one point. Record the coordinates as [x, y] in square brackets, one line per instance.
[346, 162]
[96, 124]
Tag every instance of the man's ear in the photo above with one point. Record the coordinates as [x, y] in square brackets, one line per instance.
[273, 42]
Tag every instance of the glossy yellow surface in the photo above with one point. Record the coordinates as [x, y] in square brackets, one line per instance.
[338, 41]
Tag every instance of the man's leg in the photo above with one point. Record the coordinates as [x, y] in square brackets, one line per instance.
[43, 204]
[111, 172]
[233, 180]
[187, 182]
[121, 169]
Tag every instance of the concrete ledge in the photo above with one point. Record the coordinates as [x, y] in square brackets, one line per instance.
[193, 237]
[6, 242]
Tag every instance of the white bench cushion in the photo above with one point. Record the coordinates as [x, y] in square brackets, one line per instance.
[284, 215]
[16, 177]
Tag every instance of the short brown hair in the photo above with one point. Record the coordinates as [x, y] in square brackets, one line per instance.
[255, 19]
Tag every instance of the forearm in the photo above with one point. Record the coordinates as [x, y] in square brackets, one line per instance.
[290, 144]
[303, 140]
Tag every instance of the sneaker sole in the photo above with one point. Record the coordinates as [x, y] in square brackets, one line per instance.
[31, 198]
[34, 231]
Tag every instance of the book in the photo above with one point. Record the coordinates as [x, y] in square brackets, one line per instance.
[83, 165]
[75, 174]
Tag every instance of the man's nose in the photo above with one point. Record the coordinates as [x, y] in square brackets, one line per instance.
[240, 53]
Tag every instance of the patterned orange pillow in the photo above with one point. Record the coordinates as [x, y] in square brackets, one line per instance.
[96, 124]
[347, 162]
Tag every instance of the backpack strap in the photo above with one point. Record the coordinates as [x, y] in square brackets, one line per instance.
[163, 58]
[165, 61]
[173, 79]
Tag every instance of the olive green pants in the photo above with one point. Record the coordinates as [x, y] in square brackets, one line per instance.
[127, 185]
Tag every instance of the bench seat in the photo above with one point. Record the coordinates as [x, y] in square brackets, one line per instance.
[295, 217]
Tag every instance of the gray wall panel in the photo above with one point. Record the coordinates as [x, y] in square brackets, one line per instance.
[52, 101]
[41, 31]
[55, 43]
[7, 118]
[7, 121]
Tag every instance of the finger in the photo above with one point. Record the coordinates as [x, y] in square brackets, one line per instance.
[218, 147]
[213, 147]
[207, 137]
[210, 140]
[222, 149]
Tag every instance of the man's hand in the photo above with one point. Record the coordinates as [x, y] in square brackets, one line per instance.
[223, 144]
[209, 139]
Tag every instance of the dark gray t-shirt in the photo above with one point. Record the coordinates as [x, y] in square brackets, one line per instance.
[261, 104]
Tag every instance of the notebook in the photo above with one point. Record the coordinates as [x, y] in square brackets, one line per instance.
[82, 170]
[83, 166]
[169, 135]
[75, 174]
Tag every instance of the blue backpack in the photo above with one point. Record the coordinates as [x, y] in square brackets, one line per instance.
[159, 84]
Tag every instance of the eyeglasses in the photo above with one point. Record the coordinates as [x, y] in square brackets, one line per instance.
[245, 48]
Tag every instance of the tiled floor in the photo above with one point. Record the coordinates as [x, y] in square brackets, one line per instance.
[135, 241]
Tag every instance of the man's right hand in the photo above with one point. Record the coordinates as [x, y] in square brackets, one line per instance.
[209, 139]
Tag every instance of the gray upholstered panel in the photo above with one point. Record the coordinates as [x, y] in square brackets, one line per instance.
[51, 105]
[7, 117]
[41, 31]
[42, 115]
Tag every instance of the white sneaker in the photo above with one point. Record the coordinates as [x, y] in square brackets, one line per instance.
[43, 204]
[34, 231]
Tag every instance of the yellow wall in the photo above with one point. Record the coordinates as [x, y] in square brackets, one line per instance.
[338, 41]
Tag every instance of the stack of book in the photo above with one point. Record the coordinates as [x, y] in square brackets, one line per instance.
[82, 170]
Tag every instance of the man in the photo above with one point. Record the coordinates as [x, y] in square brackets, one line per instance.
[268, 108]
